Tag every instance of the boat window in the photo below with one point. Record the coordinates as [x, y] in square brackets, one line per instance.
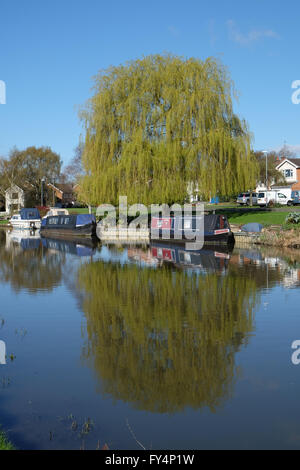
[261, 194]
[67, 220]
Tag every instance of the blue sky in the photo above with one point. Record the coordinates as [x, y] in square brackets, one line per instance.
[50, 51]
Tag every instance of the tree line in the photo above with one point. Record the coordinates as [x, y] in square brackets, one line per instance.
[28, 169]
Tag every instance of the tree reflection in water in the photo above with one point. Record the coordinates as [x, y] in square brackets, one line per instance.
[26, 264]
[165, 339]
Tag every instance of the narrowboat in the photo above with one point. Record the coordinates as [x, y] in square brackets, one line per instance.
[182, 229]
[26, 219]
[80, 225]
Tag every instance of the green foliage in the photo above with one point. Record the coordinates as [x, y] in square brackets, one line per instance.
[26, 168]
[156, 124]
[272, 174]
[293, 218]
[4, 442]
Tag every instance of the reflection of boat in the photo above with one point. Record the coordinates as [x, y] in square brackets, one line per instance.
[207, 258]
[81, 225]
[26, 239]
[26, 219]
[83, 247]
[215, 227]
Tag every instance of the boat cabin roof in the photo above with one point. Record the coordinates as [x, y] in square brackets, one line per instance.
[30, 214]
[57, 211]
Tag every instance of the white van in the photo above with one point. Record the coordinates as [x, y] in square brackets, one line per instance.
[277, 196]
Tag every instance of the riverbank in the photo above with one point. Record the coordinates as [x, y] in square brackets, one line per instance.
[4, 224]
[280, 238]
[274, 236]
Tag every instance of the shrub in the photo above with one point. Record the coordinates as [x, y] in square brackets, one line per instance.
[293, 218]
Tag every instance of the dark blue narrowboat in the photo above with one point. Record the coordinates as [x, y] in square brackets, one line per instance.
[81, 225]
[216, 228]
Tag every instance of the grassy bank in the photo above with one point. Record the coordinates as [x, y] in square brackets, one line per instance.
[264, 218]
[4, 442]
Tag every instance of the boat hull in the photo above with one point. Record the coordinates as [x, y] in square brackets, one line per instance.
[209, 239]
[62, 226]
[26, 224]
[88, 231]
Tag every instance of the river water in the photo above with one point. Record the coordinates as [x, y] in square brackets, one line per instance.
[148, 347]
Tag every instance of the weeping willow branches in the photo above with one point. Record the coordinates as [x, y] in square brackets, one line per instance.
[155, 125]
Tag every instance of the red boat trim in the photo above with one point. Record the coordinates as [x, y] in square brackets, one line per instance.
[224, 230]
[221, 255]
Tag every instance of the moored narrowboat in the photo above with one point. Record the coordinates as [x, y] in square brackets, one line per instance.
[215, 227]
[81, 225]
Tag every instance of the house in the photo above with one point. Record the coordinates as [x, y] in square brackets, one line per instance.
[290, 168]
[65, 193]
[14, 199]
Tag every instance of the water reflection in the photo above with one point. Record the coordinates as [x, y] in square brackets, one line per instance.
[26, 264]
[36, 264]
[163, 324]
[163, 338]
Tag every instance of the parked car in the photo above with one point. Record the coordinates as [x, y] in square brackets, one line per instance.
[295, 197]
[244, 199]
[264, 198]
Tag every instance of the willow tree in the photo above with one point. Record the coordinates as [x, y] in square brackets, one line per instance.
[156, 125]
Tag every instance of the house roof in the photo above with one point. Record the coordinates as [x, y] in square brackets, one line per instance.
[14, 188]
[63, 187]
[294, 161]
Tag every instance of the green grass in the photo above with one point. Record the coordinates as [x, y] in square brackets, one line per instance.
[4, 443]
[264, 218]
[4, 222]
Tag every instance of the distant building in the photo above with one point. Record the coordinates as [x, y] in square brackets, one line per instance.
[14, 199]
[290, 168]
[64, 193]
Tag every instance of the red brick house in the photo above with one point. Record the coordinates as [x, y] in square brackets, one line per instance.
[65, 193]
[290, 168]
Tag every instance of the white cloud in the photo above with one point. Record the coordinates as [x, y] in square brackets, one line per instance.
[251, 37]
